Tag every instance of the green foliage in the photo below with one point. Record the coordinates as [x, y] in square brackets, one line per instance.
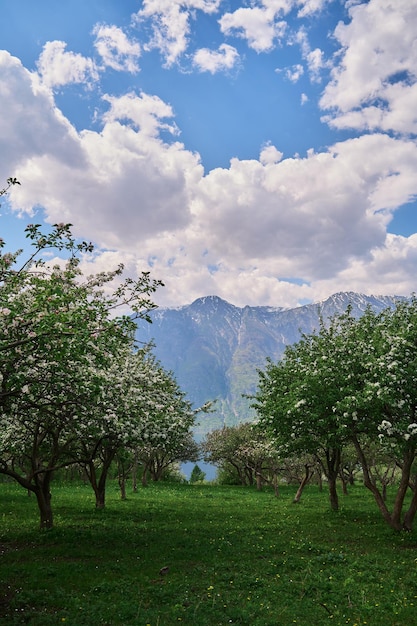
[10, 183]
[241, 452]
[227, 475]
[234, 555]
[74, 389]
[197, 475]
[354, 381]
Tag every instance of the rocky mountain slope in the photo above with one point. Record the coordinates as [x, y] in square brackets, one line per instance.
[215, 348]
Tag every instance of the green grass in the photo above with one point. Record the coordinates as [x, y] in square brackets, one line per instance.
[235, 556]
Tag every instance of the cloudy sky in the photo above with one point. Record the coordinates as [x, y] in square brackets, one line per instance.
[261, 150]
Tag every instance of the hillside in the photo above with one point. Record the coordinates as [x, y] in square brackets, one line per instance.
[215, 348]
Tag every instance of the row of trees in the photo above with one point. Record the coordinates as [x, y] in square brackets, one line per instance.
[75, 389]
[247, 456]
[351, 384]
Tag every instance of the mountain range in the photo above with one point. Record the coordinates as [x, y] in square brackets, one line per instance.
[215, 349]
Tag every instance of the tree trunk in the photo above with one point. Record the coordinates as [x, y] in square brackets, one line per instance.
[99, 484]
[122, 485]
[43, 497]
[135, 472]
[41, 488]
[276, 486]
[344, 484]
[249, 476]
[156, 469]
[100, 498]
[331, 469]
[411, 512]
[121, 477]
[334, 498]
[308, 474]
[145, 475]
[403, 487]
[320, 479]
[393, 521]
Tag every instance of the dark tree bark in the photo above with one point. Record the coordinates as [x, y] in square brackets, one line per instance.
[98, 479]
[122, 485]
[40, 485]
[307, 476]
[331, 470]
[411, 512]
[393, 518]
[135, 472]
[44, 497]
[145, 475]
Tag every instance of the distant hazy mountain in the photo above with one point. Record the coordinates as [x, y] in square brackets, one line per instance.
[214, 348]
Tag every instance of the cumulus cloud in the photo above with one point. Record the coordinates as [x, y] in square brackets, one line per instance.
[295, 72]
[116, 49]
[268, 230]
[282, 210]
[263, 25]
[256, 24]
[314, 58]
[119, 185]
[309, 7]
[225, 58]
[57, 67]
[144, 112]
[240, 232]
[170, 21]
[270, 154]
[388, 269]
[380, 93]
[31, 124]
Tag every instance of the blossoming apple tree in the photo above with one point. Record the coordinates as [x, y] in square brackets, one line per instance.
[243, 452]
[354, 381]
[295, 403]
[384, 408]
[59, 336]
[142, 410]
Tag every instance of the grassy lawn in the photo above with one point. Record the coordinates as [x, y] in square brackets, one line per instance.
[235, 556]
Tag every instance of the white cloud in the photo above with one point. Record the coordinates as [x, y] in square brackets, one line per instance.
[239, 232]
[116, 49]
[257, 25]
[310, 216]
[309, 7]
[388, 270]
[58, 67]
[119, 185]
[225, 58]
[294, 73]
[171, 24]
[269, 155]
[30, 123]
[262, 25]
[314, 58]
[374, 84]
[145, 112]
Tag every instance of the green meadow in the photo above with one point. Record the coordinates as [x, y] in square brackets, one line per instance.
[228, 555]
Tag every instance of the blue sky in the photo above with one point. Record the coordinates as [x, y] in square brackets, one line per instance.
[264, 151]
